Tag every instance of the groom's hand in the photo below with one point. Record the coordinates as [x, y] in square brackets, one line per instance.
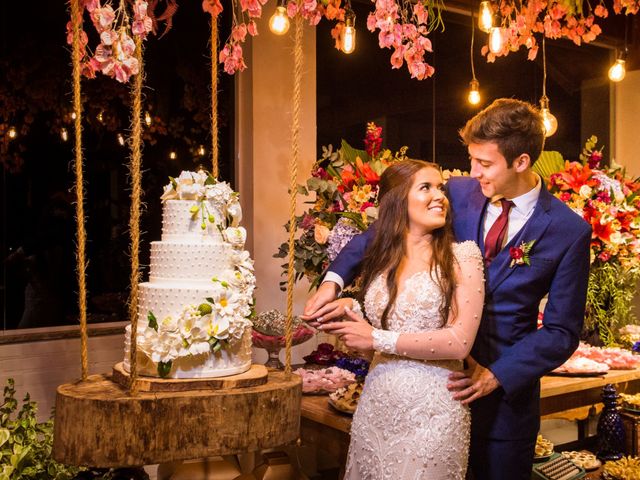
[473, 383]
[327, 292]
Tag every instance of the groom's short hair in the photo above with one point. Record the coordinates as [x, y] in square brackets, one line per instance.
[515, 126]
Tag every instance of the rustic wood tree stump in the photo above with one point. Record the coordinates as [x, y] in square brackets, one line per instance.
[99, 424]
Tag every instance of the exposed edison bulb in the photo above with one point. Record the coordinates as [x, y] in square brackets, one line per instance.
[64, 135]
[12, 133]
[120, 139]
[147, 118]
[201, 151]
[100, 117]
[173, 155]
[549, 121]
[617, 71]
[495, 40]
[73, 115]
[279, 21]
[485, 17]
[349, 39]
[474, 93]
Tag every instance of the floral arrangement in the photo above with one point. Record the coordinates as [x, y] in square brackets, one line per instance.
[114, 55]
[554, 19]
[404, 26]
[222, 318]
[345, 183]
[243, 23]
[608, 200]
[211, 197]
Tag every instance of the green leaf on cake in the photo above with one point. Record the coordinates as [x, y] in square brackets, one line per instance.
[210, 180]
[204, 309]
[153, 321]
[174, 184]
[216, 347]
[209, 299]
[164, 368]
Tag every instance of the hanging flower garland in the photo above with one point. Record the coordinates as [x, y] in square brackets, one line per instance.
[404, 27]
[246, 11]
[554, 19]
[114, 55]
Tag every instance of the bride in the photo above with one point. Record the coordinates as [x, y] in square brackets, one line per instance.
[423, 296]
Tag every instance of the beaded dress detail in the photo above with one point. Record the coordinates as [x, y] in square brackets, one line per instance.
[407, 426]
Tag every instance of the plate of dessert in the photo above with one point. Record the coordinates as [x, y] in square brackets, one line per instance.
[583, 459]
[345, 399]
[543, 450]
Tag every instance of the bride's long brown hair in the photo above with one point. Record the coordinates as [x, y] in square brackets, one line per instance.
[388, 248]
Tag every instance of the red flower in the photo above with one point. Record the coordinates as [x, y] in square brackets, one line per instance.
[516, 253]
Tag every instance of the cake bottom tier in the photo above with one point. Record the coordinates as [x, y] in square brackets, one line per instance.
[164, 300]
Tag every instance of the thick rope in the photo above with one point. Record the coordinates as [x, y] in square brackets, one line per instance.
[134, 219]
[293, 185]
[214, 96]
[81, 235]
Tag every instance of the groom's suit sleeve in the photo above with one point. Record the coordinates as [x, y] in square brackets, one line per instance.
[347, 263]
[545, 349]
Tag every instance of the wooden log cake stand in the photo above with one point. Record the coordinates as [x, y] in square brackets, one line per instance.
[98, 424]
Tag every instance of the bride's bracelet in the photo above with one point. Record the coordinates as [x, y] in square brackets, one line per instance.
[384, 341]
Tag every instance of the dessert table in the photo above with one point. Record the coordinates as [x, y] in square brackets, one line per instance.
[572, 398]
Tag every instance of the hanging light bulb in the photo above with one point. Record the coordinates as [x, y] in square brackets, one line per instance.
[617, 71]
[201, 151]
[474, 93]
[495, 40]
[73, 115]
[100, 117]
[173, 155]
[485, 17]
[64, 135]
[120, 139]
[147, 118]
[279, 21]
[12, 133]
[348, 43]
[549, 121]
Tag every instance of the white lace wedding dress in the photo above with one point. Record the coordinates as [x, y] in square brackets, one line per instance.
[407, 426]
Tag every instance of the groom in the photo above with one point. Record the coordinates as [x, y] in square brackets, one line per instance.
[533, 245]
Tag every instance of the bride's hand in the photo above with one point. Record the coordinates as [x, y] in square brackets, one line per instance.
[354, 332]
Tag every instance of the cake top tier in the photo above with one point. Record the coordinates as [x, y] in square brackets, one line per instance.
[199, 208]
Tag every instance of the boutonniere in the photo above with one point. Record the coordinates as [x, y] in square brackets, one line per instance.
[520, 254]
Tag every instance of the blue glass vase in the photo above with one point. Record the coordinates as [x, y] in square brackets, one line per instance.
[610, 431]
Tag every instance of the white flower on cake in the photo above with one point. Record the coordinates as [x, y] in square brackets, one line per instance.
[236, 236]
[234, 211]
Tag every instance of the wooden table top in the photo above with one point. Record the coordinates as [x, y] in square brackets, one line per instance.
[551, 386]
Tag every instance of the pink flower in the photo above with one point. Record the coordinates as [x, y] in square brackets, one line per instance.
[108, 37]
[239, 32]
[292, 9]
[103, 17]
[142, 27]
[533, 52]
[91, 5]
[252, 28]
[371, 22]
[594, 159]
[421, 14]
[89, 68]
[397, 57]
[214, 7]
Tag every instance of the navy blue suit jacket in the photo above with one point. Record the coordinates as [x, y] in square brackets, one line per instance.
[508, 342]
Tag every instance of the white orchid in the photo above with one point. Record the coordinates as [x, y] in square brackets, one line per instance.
[234, 210]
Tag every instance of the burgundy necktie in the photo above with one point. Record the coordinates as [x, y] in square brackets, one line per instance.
[495, 236]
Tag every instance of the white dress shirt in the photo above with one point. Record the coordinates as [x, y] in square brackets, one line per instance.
[522, 209]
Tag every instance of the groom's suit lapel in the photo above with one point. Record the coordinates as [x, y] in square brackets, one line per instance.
[533, 229]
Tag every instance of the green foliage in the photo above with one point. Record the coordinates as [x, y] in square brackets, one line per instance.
[548, 163]
[25, 444]
[609, 300]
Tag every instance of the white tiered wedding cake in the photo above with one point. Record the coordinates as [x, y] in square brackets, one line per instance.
[194, 313]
